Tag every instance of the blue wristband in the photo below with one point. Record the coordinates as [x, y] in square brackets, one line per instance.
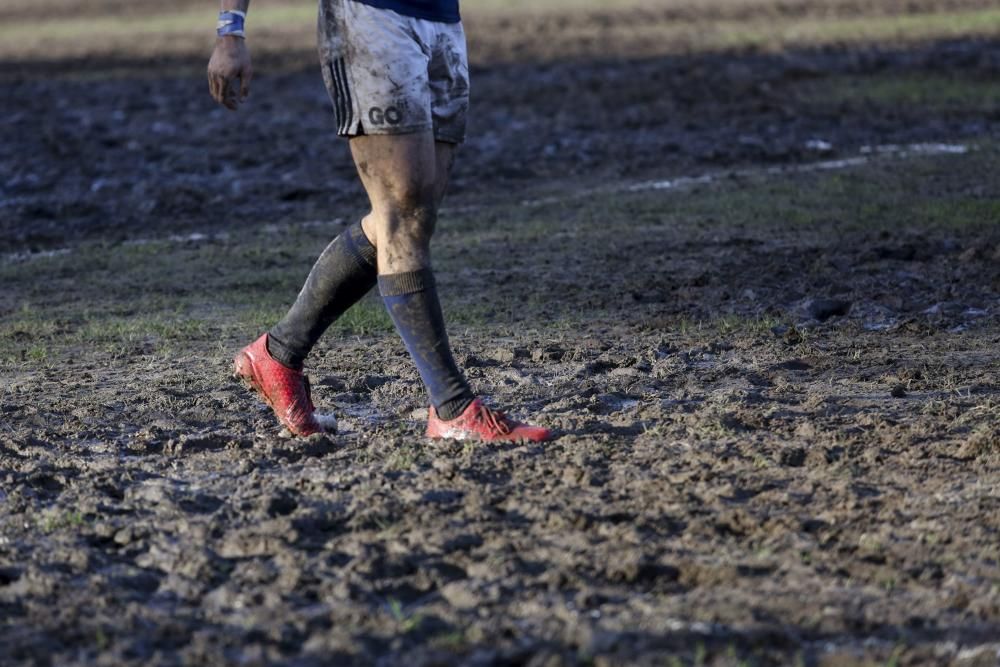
[231, 23]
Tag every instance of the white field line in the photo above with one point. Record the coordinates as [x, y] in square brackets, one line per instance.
[867, 155]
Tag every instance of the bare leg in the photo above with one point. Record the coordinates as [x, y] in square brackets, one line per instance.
[379, 168]
[405, 176]
[341, 276]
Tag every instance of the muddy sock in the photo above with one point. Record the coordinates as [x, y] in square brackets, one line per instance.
[412, 301]
[343, 274]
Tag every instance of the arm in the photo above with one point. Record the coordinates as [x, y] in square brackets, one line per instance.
[230, 63]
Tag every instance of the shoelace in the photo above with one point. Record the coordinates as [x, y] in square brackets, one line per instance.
[496, 420]
[295, 412]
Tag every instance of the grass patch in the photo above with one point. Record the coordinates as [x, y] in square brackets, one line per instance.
[119, 330]
[773, 33]
[404, 456]
[877, 29]
[290, 27]
[108, 27]
[867, 198]
[405, 621]
[55, 520]
[365, 318]
[932, 92]
[138, 300]
[870, 197]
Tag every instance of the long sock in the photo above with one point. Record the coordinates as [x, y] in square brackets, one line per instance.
[343, 274]
[412, 301]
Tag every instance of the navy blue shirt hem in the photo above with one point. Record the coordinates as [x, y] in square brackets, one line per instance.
[441, 12]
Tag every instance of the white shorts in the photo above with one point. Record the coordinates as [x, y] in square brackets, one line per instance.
[393, 74]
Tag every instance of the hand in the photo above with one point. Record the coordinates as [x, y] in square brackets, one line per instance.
[229, 72]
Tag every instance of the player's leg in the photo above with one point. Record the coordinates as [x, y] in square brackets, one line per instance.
[272, 364]
[400, 174]
[444, 159]
[344, 273]
[405, 177]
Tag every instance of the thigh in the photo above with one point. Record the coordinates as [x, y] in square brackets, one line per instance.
[397, 168]
[444, 153]
[448, 74]
[398, 171]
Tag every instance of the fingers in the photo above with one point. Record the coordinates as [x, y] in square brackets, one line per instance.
[245, 77]
[223, 90]
[229, 91]
[229, 86]
[231, 95]
[213, 87]
[217, 87]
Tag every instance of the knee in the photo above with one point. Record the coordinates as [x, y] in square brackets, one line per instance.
[413, 212]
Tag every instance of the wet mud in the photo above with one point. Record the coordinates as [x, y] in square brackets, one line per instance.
[152, 156]
[779, 443]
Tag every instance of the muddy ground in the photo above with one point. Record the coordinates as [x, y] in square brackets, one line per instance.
[776, 387]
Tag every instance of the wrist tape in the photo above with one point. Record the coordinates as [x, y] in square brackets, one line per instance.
[231, 23]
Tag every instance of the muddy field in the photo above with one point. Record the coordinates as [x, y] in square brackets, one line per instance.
[756, 289]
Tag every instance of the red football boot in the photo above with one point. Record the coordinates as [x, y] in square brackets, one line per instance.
[286, 390]
[479, 422]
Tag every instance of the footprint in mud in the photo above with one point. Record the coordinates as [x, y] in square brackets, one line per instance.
[204, 442]
[606, 404]
[171, 495]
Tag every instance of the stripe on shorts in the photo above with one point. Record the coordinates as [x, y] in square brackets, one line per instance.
[344, 106]
[347, 93]
[338, 102]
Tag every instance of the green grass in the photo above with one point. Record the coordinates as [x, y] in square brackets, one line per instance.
[189, 29]
[932, 92]
[404, 456]
[365, 318]
[454, 640]
[851, 199]
[159, 296]
[195, 20]
[962, 213]
[882, 28]
[152, 299]
[405, 621]
[32, 338]
[160, 21]
[56, 520]
[774, 33]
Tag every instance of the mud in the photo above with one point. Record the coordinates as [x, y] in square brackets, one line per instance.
[778, 425]
[117, 159]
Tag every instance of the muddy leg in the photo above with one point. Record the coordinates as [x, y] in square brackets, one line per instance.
[405, 177]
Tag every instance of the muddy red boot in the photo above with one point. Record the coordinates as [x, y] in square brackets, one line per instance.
[478, 422]
[285, 389]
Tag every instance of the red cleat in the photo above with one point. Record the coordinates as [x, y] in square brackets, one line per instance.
[286, 390]
[478, 422]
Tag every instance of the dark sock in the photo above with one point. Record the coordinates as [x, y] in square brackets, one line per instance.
[412, 301]
[343, 274]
